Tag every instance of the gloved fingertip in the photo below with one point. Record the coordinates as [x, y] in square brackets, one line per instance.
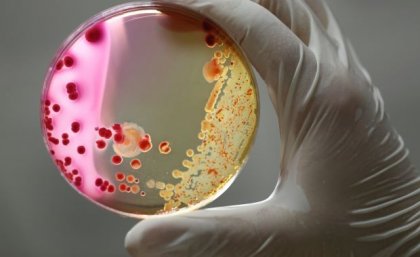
[132, 240]
[152, 236]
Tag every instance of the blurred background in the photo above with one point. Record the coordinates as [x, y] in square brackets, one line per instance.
[40, 215]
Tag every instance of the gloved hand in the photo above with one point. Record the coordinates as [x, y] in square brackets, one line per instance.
[346, 186]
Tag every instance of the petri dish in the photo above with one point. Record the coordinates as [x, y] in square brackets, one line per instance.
[149, 109]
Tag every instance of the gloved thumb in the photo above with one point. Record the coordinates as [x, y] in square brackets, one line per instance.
[244, 230]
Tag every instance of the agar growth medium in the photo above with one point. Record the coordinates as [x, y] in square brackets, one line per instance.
[149, 109]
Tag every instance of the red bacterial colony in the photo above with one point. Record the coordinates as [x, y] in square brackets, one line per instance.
[68, 61]
[135, 164]
[210, 40]
[105, 133]
[119, 138]
[164, 147]
[81, 149]
[130, 179]
[123, 187]
[116, 160]
[75, 127]
[72, 91]
[100, 144]
[131, 183]
[67, 161]
[56, 107]
[59, 65]
[65, 138]
[119, 176]
[94, 35]
[145, 144]
[104, 185]
[135, 189]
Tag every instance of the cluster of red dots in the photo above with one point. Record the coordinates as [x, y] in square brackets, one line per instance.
[106, 134]
[49, 108]
[73, 175]
[48, 123]
[47, 103]
[63, 165]
[53, 140]
[67, 61]
[104, 185]
[124, 188]
[47, 112]
[127, 183]
[131, 186]
[92, 35]
[72, 91]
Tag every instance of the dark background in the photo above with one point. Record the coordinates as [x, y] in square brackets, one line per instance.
[42, 216]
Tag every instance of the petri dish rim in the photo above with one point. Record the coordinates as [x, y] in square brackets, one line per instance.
[138, 6]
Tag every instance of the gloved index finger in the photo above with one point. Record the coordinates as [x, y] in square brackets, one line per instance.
[273, 49]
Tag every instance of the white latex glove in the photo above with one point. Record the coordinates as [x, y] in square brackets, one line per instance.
[346, 186]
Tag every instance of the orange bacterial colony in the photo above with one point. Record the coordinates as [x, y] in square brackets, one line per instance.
[149, 109]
